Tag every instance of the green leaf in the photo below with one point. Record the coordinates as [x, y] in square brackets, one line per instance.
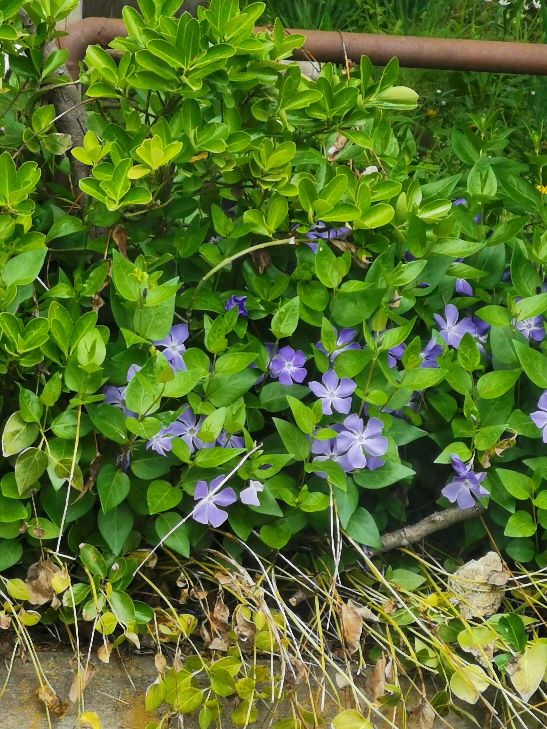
[333, 471]
[293, 439]
[273, 397]
[122, 606]
[420, 379]
[30, 465]
[511, 628]
[93, 560]
[11, 552]
[24, 268]
[362, 528]
[443, 404]
[234, 362]
[459, 449]
[285, 320]
[406, 580]
[495, 384]
[178, 541]
[276, 535]
[213, 457]
[161, 496]
[109, 421]
[520, 524]
[534, 363]
[303, 415]
[469, 356]
[18, 435]
[11, 510]
[115, 526]
[113, 486]
[352, 361]
[517, 484]
[386, 475]
[223, 390]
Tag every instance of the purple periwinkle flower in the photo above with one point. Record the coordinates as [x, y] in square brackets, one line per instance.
[132, 371]
[190, 429]
[330, 450]
[539, 418]
[207, 511]
[533, 329]
[249, 495]
[506, 275]
[161, 442]
[228, 440]
[459, 201]
[238, 301]
[123, 460]
[344, 341]
[463, 287]
[334, 393]
[464, 485]
[363, 444]
[116, 396]
[173, 346]
[320, 230]
[429, 354]
[288, 366]
[480, 335]
[395, 354]
[451, 330]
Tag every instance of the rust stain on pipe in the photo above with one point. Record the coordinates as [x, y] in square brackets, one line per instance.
[435, 53]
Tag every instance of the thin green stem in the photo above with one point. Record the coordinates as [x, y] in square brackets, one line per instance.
[226, 261]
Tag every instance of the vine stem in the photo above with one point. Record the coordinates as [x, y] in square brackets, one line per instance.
[70, 479]
[226, 261]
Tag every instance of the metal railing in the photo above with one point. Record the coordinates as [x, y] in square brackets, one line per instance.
[412, 52]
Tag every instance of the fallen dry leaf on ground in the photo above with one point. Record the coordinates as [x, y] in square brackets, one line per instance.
[53, 703]
[80, 682]
[378, 678]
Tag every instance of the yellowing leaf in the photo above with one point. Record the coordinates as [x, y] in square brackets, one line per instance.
[528, 670]
[351, 719]
[468, 682]
[90, 720]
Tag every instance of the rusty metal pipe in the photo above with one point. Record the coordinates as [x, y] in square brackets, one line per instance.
[436, 53]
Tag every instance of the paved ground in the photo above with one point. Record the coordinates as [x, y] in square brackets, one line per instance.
[117, 695]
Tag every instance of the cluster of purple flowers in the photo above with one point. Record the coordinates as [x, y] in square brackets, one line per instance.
[187, 427]
[465, 485]
[211, 498]
[452, 331]
[356, 446]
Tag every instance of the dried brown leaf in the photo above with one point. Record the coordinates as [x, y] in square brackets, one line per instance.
[425, 714]
[119, 236]
[52, 702]
[245, 631]
[80, 681]
[352, 626]
[38, 581]
[261, 260]
[378, 678]
[105, 651]
[160, 663]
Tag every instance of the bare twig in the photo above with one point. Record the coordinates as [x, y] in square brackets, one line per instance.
[432, 523]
